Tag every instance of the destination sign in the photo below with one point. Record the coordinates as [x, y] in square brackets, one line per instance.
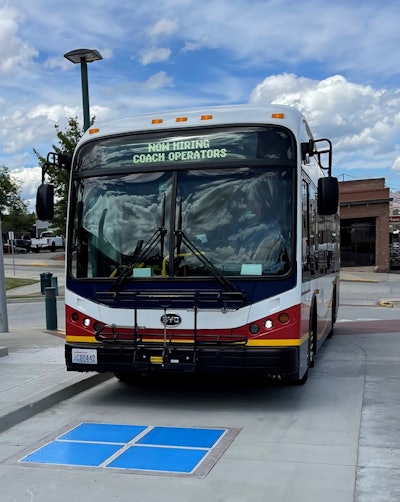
[176, 151]
[211, 145]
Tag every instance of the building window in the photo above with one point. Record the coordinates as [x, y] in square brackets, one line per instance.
[358, 242]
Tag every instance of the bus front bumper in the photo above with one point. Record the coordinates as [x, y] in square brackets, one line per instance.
[181, 359]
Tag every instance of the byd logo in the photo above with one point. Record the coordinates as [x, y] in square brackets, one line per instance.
[170, 320]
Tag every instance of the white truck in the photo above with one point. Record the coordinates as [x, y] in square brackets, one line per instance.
[47, 240]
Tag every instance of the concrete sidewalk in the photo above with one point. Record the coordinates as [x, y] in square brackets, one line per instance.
[33, 375]
[32, 368]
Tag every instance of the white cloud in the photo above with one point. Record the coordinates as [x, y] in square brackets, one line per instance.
[256, 33]
[396, 164]
[163, 27]
[203, 40]
[31, 179]
[22, 131]
[355, 116]
[213, 52]
[158, 81]
[53, 113]
[154, 55]
[362, 122]
[14, 52]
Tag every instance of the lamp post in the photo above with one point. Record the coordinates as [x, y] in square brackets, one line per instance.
[3, 300]
[84, 56]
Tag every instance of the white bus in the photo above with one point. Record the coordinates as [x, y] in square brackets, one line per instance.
[200, 241]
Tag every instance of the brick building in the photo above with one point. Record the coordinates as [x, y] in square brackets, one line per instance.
[364, 223]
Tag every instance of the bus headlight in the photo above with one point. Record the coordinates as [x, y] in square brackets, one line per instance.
[269, 324]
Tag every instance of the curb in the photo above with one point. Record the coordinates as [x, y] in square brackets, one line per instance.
[358, 279]
[389, 303]
[27, 408]
[31, 298]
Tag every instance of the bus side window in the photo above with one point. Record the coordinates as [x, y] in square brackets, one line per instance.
[306, 265]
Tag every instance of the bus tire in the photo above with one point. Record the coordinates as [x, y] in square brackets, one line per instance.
[333, 315]
[303, 379]
[312, 339]
[127, 377]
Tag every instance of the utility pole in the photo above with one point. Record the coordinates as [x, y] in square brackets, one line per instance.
[3, 300]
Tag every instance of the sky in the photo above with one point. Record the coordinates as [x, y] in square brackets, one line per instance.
[336, 61]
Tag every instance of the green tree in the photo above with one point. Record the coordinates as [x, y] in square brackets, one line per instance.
[20, 221]
[13, 209]
[67, 141]
[10, 191]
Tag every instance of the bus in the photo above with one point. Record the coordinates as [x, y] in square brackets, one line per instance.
[200, 241]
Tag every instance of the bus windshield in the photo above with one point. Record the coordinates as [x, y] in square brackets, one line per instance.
[192, 203]
[240, 219]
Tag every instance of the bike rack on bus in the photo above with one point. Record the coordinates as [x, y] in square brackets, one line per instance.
[170, 346]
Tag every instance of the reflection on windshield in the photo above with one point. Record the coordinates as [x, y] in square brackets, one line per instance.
[240, 220]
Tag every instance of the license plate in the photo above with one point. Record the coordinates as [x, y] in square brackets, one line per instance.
[84, 356]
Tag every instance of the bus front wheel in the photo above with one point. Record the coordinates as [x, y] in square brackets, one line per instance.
[312, 339]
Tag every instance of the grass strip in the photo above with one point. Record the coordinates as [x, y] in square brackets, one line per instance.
[15, 282]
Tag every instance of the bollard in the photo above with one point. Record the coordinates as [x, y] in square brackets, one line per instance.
[45, 281]
[54, 284]
[51, 308]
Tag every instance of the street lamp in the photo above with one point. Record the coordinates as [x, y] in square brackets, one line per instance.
[3, 299]
[84, 56]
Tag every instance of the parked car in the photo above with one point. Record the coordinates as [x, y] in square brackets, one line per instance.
[7, 249]
[23, 243]
[48, 241]
[20, 246]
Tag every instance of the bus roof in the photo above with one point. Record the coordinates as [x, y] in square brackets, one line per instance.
[198, 117]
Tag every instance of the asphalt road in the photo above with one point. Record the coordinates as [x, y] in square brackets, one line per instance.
[30, 265]
[335, 439]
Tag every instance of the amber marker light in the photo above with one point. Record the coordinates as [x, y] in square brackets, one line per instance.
[94, 130]
[278, 115]
[283, 318]
[75, 316]
[206, 117]
[157, 121]
[181, 119]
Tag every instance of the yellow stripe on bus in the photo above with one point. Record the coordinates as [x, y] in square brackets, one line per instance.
[250, 343]
[274, 343]
[82, 339]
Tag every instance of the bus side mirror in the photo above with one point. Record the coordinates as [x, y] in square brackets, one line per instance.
[328, 195]
[45, 202]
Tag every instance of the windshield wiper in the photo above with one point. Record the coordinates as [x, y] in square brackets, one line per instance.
[141, 253]
[182, 238]
[225, 283]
